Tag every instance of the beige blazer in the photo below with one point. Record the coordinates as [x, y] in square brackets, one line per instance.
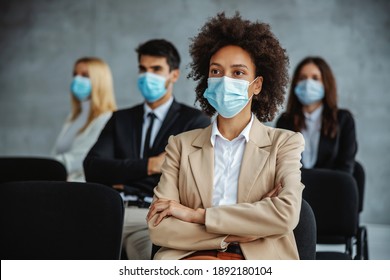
[271, 156]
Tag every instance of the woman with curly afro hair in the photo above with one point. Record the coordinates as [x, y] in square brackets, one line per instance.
[232, 190]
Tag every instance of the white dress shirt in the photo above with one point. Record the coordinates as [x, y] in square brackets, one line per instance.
[312, 134]
[71, 147]
[160, 113]
[227, 163]
[64, 143]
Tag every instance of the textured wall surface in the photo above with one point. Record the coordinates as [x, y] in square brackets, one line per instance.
[41, 39]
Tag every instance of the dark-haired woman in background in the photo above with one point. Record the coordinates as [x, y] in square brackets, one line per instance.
[329, 132]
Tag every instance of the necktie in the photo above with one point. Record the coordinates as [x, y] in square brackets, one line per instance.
[148, 133]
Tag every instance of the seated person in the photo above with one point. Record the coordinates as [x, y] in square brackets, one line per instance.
[130, 150]
[92, 101]
[329, 132]
[232, 190]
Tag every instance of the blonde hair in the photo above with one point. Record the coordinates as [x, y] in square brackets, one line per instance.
[102, 95]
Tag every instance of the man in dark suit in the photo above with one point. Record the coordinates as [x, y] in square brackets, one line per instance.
[131, 148]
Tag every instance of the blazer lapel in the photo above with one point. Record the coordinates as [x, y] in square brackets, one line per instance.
[255, 156]
[202, 166]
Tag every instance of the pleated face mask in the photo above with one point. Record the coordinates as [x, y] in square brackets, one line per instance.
[81, 87]
[228, 96]
[309, 91]
[152, 86]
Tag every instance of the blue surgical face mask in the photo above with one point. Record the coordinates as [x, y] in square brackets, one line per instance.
[309, 91]
[228, 96]
[151, 86]
[81, 87]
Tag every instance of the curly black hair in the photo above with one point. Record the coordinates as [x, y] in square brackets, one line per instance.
[256, 38]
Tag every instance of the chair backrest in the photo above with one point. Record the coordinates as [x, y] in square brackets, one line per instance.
[60, 220]
[30, 169]
[306, 233]
[333, 196]
[360, 177]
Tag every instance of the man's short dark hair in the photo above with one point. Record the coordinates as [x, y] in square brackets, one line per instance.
[160, 48]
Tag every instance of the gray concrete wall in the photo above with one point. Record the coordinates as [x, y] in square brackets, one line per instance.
[41, 39]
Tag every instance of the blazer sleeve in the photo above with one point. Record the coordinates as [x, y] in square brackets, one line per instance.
[102, 166]
[345, 160]
[172, 232]
[269, 217]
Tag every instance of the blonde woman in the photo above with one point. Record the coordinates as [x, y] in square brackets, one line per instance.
[92, 102]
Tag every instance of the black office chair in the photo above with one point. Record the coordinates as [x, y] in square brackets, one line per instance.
[333, 196]
[31, 168]
[305, 234]
[49, 220]
[361, 242]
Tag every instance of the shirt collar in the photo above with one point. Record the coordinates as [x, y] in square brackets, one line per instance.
[160, 112]
[315, 115]
[244, 133]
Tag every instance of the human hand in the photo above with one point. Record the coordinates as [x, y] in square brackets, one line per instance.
[119, 187]
[274, 192]
[155, 163]
[166, 208]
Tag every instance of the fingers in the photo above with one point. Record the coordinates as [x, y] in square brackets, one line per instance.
[167, 208]
[269, 194]
[156, 207]
[160, 207]
[278, 188]
[274, 192]
[161, 216]
[118, 186]
[162, 155]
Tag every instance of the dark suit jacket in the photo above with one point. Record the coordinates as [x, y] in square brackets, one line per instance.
[337, 153]
[115, 157]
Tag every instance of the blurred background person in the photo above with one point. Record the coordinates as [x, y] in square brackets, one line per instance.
[329, 132]
[92, 104]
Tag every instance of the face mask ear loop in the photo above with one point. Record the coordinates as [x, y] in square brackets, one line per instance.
[249, 86]
[253, 81]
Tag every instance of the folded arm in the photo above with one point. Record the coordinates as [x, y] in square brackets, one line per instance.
[271, 215]
[277, 213]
